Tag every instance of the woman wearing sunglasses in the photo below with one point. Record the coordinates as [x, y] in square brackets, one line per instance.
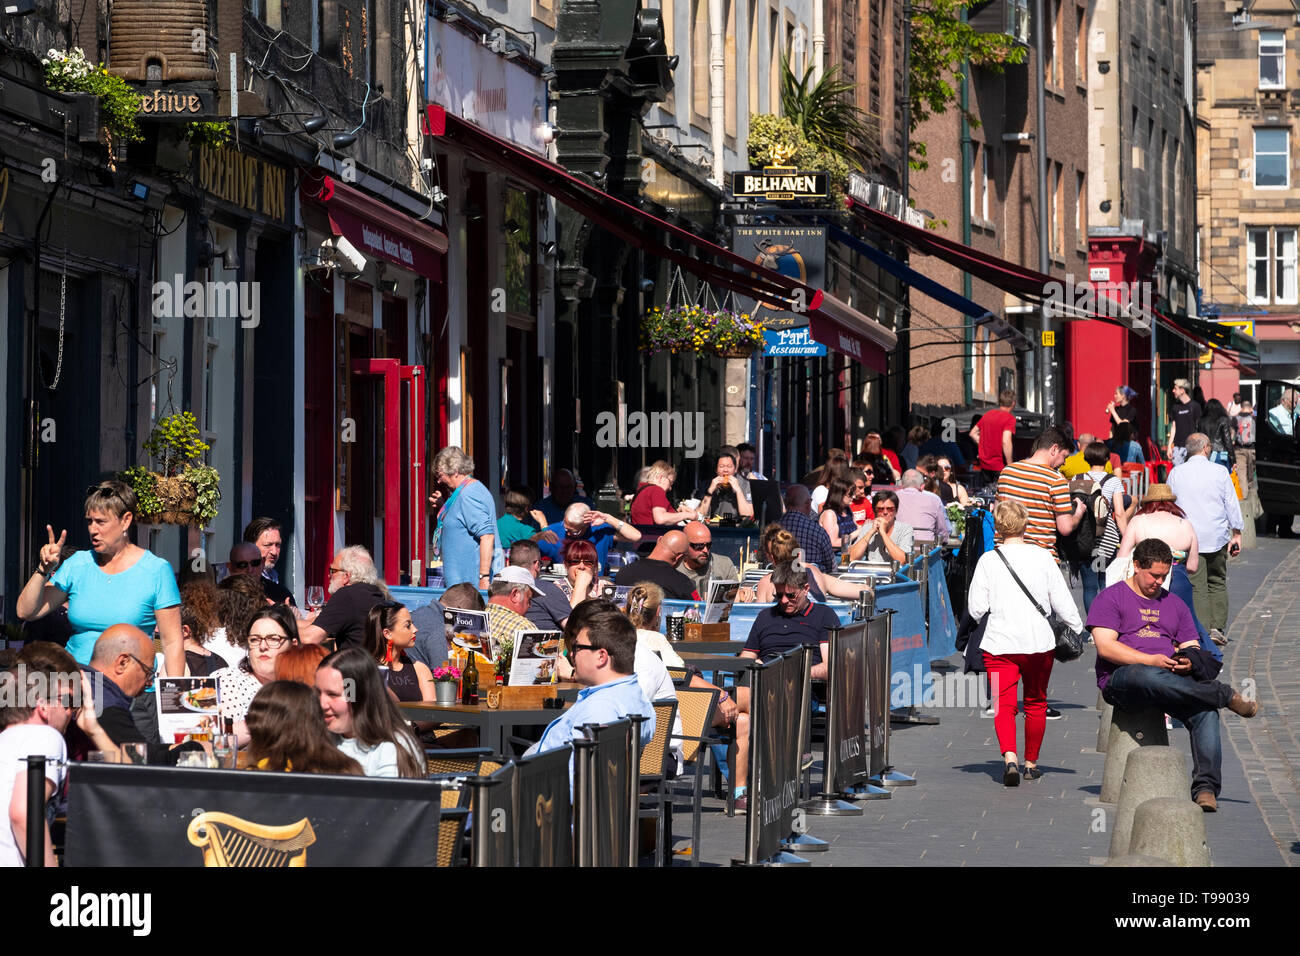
[950, 489]
[581, 567]
[271, 631]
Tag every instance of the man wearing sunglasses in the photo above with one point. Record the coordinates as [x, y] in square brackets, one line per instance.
[661, 567]
[701, 565]
[246, 558]
[792, 621]
[601, 643]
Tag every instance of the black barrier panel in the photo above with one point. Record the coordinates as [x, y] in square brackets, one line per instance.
[545, 837]
[123, 815]
[607, 800]
[496, 825]
[878, 657]
[775, 745]
[848, 704]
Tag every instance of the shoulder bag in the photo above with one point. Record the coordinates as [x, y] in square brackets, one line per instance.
[1069, 642]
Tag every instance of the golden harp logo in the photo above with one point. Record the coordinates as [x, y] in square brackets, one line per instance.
[230, 841]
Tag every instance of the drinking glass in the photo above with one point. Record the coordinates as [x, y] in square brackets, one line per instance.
[315, 598]
[136, 752]
[101, 756]
[224, 749]
[194, 758]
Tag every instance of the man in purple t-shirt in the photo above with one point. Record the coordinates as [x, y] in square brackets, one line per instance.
[1146, 646]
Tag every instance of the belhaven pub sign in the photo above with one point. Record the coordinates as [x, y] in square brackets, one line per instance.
[779, 182]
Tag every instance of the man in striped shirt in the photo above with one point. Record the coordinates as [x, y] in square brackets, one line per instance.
[1036, 483]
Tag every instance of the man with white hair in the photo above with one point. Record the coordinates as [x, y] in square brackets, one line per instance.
[922, 510]
[1283, 415]
[1206, 493]
[466, 532]
[582, 522]
[355, 587]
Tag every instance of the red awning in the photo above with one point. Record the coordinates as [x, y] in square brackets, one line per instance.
[622, 219]
[376, 228]
[846, 330]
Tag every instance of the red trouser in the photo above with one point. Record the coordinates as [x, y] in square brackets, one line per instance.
[1005, 671]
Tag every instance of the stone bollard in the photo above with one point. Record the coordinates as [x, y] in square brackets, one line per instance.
[1129, 730]
[1101, 701]
[1103, 731]
[1150, 772]
[1132, 860]
[1171, 828]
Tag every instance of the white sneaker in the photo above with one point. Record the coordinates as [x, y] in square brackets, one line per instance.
[987, 712]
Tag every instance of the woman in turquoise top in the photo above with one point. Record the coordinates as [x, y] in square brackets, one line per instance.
[519, 522]
[115, 582]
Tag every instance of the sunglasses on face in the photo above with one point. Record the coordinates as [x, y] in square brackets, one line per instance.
[885, 509]
[244, 565]
[702, 546]
[589, 562]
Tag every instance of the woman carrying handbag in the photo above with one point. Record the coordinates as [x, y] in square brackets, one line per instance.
[1017, 584]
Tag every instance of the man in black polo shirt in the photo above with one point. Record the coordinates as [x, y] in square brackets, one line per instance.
[793, 621]
[355, 587]
[661, 568]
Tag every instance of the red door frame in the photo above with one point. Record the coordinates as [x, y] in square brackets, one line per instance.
[394, 374]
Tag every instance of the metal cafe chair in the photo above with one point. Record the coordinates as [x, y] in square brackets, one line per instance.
[697, 707]
[654, 776]
[451, 834]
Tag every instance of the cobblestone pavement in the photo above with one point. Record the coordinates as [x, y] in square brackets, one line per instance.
[959, 813]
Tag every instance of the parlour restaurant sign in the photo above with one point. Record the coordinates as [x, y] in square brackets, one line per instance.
[252, 183]
[779, 184]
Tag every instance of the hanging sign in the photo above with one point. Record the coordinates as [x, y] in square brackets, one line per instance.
[780, 184]
[790, 343]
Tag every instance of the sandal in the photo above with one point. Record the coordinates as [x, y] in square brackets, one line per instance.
[1011, 776]
[1032, 773]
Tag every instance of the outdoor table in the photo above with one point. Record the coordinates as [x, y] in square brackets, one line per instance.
[494, 726]
[706, 647]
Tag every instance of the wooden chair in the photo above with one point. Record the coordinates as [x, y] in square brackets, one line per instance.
[451, 835]
[654, 776]
[697, 706]
[464, 761]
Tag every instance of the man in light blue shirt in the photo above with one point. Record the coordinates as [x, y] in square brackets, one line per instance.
[602, 646]
[1205, 492]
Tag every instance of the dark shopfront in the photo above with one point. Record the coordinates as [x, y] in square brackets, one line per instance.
[75, 258]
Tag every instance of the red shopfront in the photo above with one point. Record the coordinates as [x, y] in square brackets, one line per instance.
[366, 395]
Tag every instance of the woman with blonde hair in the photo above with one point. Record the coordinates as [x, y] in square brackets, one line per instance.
[650, 504]
[643, 608]
[779, 545]
[1018, 642]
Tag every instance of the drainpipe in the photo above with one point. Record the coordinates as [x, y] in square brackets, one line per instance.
[1047, 395]
[717, 91]
[967, 174]
[819, 37]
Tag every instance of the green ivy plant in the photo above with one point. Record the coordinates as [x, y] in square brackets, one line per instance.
[175, 442]
[145, 485]
[211, 135]
[207, 487]
[767, 130]
[119, 105]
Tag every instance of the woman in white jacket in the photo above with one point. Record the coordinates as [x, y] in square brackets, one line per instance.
[1018, 641]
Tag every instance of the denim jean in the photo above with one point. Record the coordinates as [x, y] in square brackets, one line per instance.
[1091, 579]
[1195, 703]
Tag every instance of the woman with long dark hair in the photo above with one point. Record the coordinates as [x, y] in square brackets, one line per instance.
[836, 518]
[389, 632]
[1216, 425]
[370, 728]
[287, 732]
[881, 465]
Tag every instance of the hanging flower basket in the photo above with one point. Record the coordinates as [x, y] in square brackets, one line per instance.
[691, 328]
[184, 491]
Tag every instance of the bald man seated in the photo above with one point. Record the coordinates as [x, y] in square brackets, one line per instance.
[121, 668]
[661, 568]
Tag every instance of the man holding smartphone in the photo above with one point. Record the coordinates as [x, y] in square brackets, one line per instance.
[1206, 493]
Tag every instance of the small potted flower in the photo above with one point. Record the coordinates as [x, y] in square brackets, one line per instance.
[446, 682]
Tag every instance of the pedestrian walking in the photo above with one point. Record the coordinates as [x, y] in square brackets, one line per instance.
[1185, 420]
[466, 532]
[1036, 483]
[993, 435]
[1206, 493]
[1098, 534]
[1018, 642]
[1219, 428]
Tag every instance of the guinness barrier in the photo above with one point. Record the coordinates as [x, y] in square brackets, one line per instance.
[844, 757]
[775, 749]
[880, 669]
[908, 647]
[128, 815]
[606, 793]
[941, 621]
[521, 813]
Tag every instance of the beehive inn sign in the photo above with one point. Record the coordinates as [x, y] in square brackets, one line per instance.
[779, 184]
[190, 104]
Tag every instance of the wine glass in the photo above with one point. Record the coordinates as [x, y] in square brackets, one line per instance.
[315, 598]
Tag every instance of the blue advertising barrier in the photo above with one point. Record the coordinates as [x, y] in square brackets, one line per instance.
[943, 624]
[415, 597]
[910, 657]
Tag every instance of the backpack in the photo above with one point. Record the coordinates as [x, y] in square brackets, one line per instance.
[1081, 544]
